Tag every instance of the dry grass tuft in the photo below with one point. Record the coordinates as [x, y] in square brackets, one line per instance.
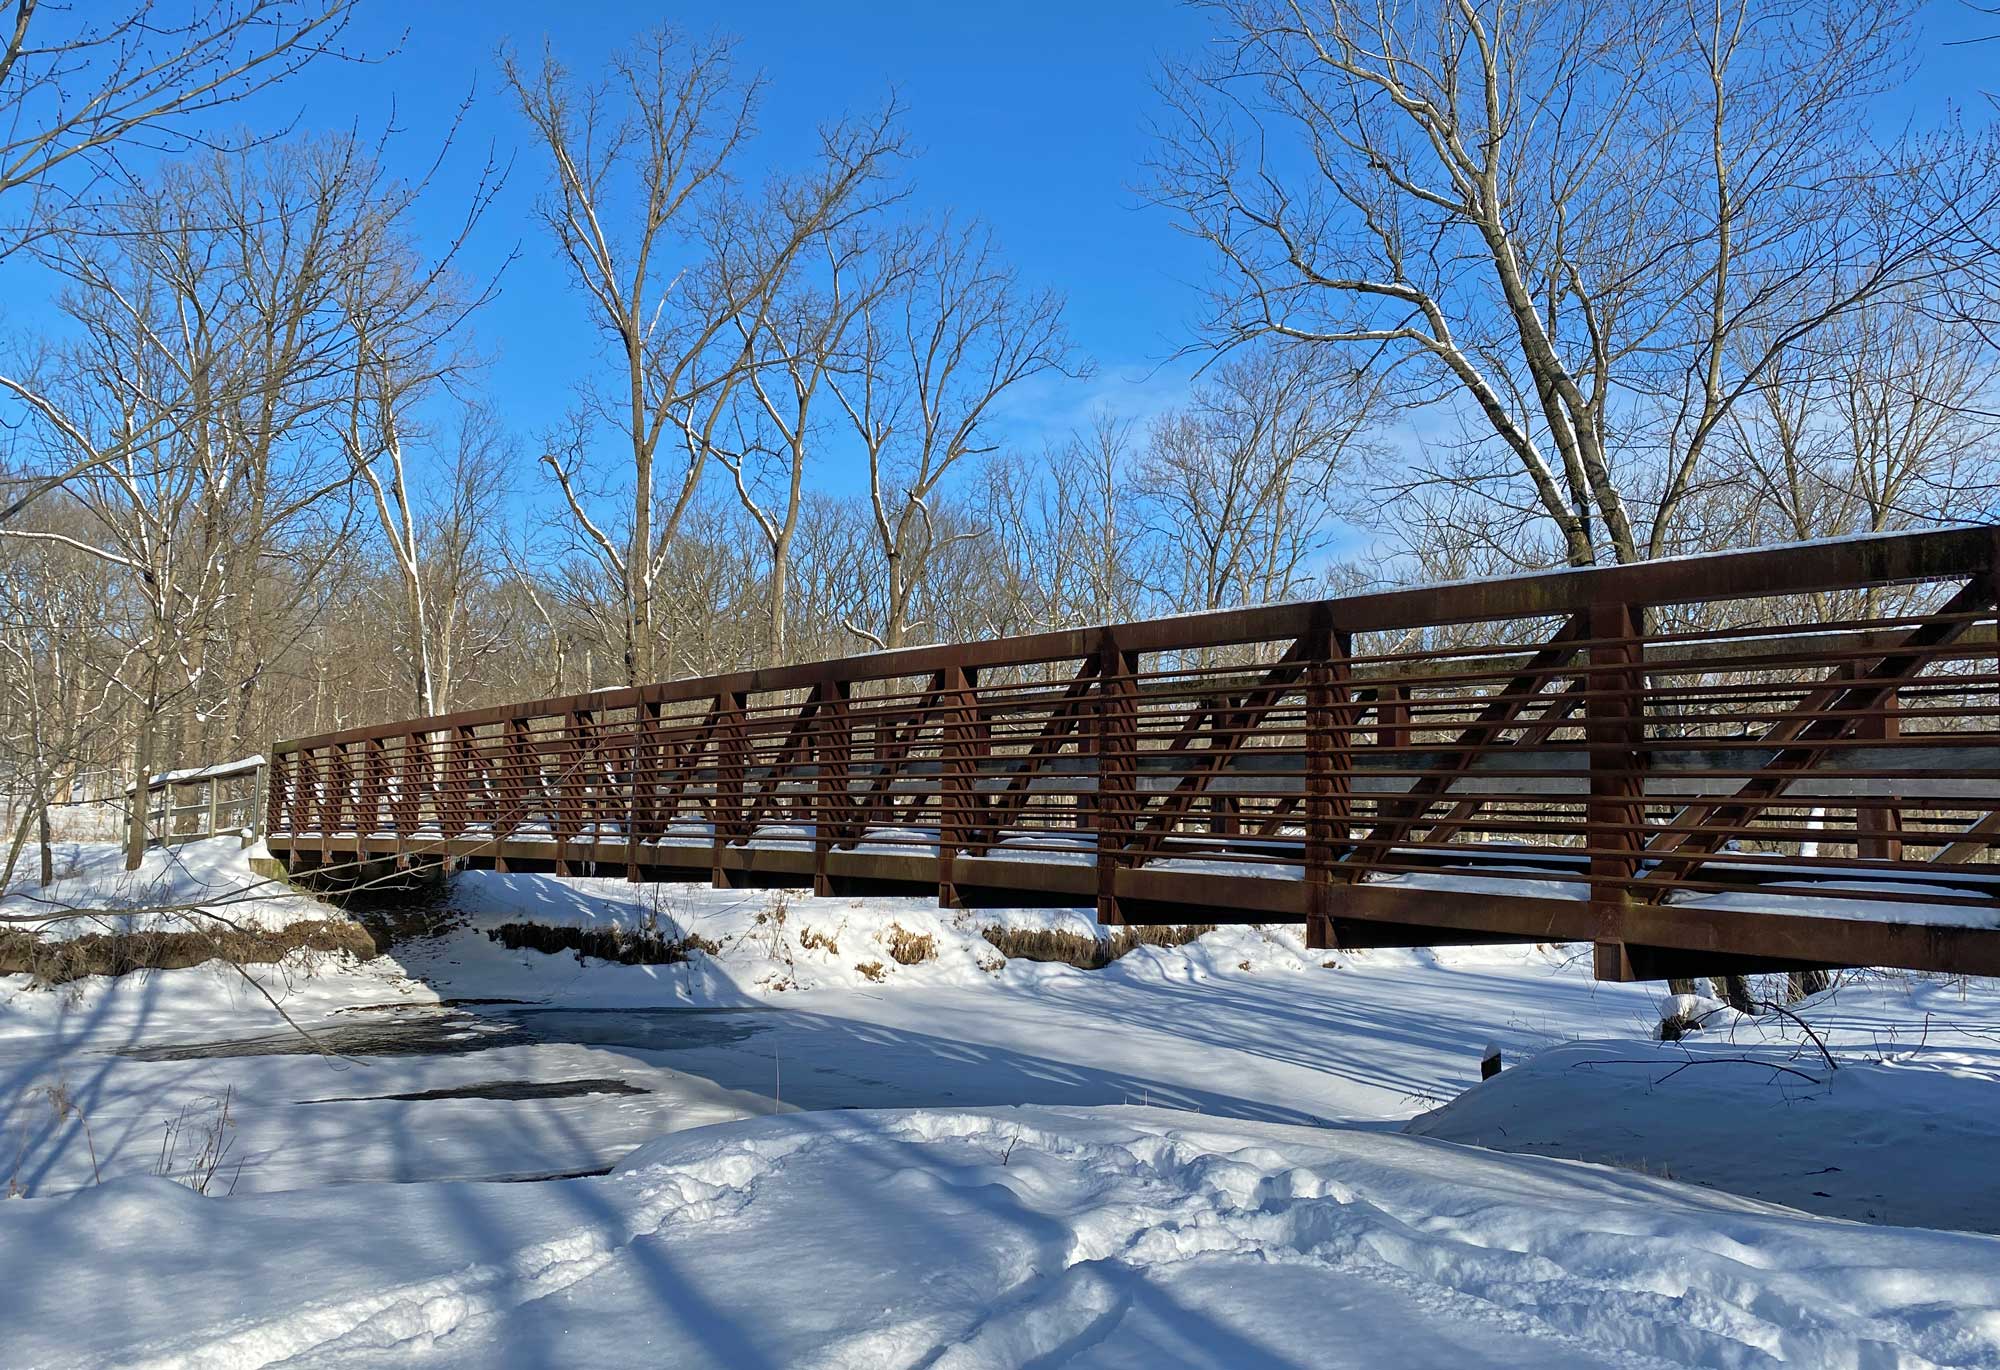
[909, 948]
[873, 970]
[1084, 951]
[52, 962]
[644, 946]
[812, 939]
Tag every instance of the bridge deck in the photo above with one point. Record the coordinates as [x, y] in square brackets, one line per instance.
[1778, 758]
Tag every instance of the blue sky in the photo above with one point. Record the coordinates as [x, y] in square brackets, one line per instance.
[1032, 117]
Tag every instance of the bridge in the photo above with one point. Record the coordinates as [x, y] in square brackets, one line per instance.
[1782, 758]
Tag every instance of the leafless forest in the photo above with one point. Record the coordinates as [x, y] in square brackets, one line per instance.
[1491, 288]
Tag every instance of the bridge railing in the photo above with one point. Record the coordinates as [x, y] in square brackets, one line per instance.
[1809, 730]
[208, 801]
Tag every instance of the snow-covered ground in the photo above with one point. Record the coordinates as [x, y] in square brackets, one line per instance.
[94, 893]
[1913, 1071]
[995, 1238]
[828, 1157]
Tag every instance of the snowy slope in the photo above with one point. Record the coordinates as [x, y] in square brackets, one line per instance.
[965, 1240]
[1903, 1126]
[94, 893]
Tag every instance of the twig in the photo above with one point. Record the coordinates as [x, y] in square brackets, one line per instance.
[1699, 1061]
[1806, 1028]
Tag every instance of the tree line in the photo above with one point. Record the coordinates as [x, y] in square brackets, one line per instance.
[1494, 288]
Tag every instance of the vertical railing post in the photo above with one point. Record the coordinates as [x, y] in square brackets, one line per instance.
[643, 767]
[340, 789]
[332, 789]
[520, 788]
[833, 762]
[264, 800]
[1392, 717]
[409, 803]
[299, 797]
[566, 797]
[450, 788]
[278, 792]
[1879, 825]
[419, 781]
[1117, 770]
[957, 775]
[1329, 769]
[732, 755]
[585, 809]
[1614, 725]
[467, 771]
[374, 762]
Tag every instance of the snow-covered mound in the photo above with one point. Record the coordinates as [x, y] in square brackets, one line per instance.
[197, 884]
[996, 1238]
[777, 941]
[1908, 1139]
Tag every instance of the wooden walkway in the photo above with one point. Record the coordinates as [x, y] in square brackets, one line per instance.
[1772, 759]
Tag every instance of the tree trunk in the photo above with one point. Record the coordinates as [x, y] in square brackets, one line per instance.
[1736, 991]
[48, 848]
[781, 568]
[142, 795]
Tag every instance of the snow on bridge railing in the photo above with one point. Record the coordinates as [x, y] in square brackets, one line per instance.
[1790, 754]
[205, 801]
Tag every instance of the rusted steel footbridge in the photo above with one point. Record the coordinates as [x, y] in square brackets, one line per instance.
[1774, 759]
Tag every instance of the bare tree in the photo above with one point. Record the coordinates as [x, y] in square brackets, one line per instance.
[640, 163]
[405, 315]
[630, 158]
[443, 549]
[798, 330]
[1238, 485]
[1588, 229]
[937, 356]
[78, 84]
[213, 345]
[1063, 531]
[59, 664]
[1876, 427]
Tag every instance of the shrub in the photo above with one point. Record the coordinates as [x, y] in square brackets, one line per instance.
[1084, 951]
[52, 962]
[645, 946]
[909, 948]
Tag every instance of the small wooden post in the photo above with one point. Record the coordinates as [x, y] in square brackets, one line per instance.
[568, 806]
[409, 792]
[298, 782]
